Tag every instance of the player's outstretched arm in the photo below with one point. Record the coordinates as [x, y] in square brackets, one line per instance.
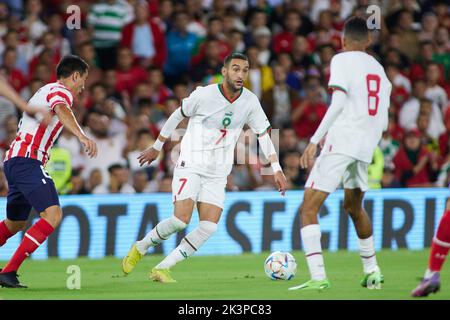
[334, 110]
[68, 120]
[9, 93]
[268, 149]
[151, 153]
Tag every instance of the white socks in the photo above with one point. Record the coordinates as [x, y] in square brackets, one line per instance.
[367, 253]
[313, 251]
[191, 243]
[159, 233]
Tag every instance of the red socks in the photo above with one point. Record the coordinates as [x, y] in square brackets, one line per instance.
[33, 238]
[5, 234]
[441, 244]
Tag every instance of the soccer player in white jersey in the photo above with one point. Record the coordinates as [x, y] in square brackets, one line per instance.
[217, 114]
[28, 183]
[353, 124]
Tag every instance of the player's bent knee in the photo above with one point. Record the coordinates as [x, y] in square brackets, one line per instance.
[178, 224]
[15, 226]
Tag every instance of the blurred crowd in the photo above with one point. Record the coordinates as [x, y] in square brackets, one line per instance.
[146, 56]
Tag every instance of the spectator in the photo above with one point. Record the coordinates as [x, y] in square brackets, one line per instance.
[260, 78]
[389, 143]
[389, 180]
[142, 184]
[127, 74]
[434, 91]
[118, 181]
[14, 76]
[95, 180]
[144, 139]
[208, 70]
[32, 22]
[214, 31]
[24, 50]
[110, 147]
[410, 110]
[307, 114]
[262, 36]
[277, 101]
[69, 142]
[86, 51]
[166, 184]
[291, 167]
[144, 37]
[414, 164]
[429, 25]
[282, 42]
[106, 21]
[180, 47]
[160, 91]
[258, 18]
[77, 184]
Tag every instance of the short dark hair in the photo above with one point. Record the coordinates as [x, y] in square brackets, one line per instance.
[234, 55]
[356, 29]
[70, 64]
[114, 167]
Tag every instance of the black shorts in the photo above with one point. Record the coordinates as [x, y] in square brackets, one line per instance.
[29, 187]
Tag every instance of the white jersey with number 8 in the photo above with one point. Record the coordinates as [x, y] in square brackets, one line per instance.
[358, 129]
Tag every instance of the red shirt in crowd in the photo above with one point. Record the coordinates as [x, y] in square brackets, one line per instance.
[403, 164]
[128, 80]
[309, 121]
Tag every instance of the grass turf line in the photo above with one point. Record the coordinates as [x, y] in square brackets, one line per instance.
[222, 277]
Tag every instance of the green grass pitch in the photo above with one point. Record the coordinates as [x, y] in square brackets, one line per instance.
[222, 277]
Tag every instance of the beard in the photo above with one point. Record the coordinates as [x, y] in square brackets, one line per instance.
[232, 86]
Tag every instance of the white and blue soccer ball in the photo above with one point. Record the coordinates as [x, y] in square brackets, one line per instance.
[280, 266]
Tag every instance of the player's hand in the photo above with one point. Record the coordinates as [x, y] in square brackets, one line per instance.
[281, 181]
[308, 156]
[90, 147]
[148, 156]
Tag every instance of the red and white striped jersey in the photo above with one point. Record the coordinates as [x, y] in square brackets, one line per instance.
[35, 139]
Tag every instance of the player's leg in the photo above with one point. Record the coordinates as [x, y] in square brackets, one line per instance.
[431, 282]
[185, 188]
[39, 190]
[325, 177]
[210, 203]
[17, 209]
[353, 200]
[9, 228]
[311, 235]
[356, 182]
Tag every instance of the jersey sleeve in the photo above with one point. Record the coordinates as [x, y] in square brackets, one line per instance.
[338, 79]
[58, 95]
[257, 119]
[189, 105]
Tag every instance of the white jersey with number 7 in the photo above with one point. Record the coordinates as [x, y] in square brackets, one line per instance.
[215, 123]
[357, 130]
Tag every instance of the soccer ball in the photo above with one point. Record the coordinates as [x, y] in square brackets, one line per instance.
[280, 266]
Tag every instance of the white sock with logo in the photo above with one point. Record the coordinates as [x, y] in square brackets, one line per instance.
[162, 231]
[367, 254]
[313, 251]
[189, 244]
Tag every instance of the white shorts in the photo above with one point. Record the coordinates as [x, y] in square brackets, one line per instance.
[188, 184]
[330, 169]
